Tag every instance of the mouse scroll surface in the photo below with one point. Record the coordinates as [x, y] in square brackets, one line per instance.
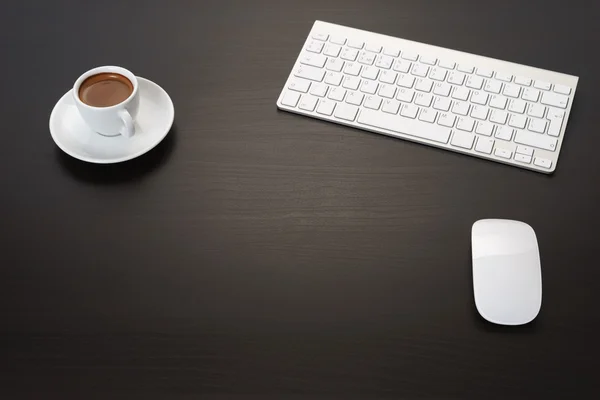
[507, 279]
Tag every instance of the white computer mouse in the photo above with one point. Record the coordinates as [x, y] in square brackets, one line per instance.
[507, 274]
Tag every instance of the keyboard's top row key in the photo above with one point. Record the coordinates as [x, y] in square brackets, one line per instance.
[391, 51]
[338, 40]
[486, 73]
[465, 68]
[357, 44]
[446, 64]
[321, 36]
[410, 55]
[542, 85]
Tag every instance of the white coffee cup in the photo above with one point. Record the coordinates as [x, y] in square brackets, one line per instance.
[113, 120]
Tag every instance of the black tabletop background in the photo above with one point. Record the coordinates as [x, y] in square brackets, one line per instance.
[260, 253]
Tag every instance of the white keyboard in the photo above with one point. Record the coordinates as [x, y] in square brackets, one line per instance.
[483, 107]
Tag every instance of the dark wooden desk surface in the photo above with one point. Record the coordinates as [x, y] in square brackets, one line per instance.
[260, 253]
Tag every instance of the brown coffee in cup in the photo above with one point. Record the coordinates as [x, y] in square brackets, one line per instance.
[105, 90]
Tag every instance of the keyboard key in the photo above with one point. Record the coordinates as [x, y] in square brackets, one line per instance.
[479, 112]
[402, 66]
[446, 64]
[512, 90]
[493, 86]
[405, 80]
[517, 106]
[485, 128]
[326, 107]
[521, 80]
[338, 40]
[461, 108]
[410, 55]
[424, 85]
[373, 47]
[442, 89]
[484, 145]
[391, 106]
[355, 98]
[536, 110]
[388, 77]
[523, 158]
[498, 101]
[465, 124]
[462, 139]
[428, 60]
[427, 115]
[299, 85]
[542, 85]
[366, 58]
[357, 44]
[370, 72]
[290, 99]
[446, 119]
[438, 74]
[387, 91]
[308, 102]
[461, 93]
[537, 125]
[320, 36]
[333, 78]
[465, 68]
[543, 162]
[486, 73]
[409, 111]
[504, 153]
[456, 78]
[474, 82]
[335, 64]
[345, 111]
[555, 100]
[407, 126]
[318, 89]
[517, 121]
[384, 62]
[556, 120]
[536, 140]
[391, 51]
[441, 103]
[351, 82]
[479, 98]
[349, 54]
[528, 151]
[531, 94]
[352, 69]
[315, 46]
[332, 50]
[373, 102]
[562, 89]
[423, 99]
[498, 116]
[369, 87]
[311, 73]
[419, 69]
[503, 77]
[504, 133]
[405, 95]
[315, 60]
[337, 94]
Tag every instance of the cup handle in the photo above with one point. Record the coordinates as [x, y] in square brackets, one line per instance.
[128, 127]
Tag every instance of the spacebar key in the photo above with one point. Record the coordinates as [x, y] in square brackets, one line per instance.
[407, 126]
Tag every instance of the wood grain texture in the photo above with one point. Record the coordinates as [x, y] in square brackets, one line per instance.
[260, 254]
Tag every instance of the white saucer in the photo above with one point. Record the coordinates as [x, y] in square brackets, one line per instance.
[74, 137]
